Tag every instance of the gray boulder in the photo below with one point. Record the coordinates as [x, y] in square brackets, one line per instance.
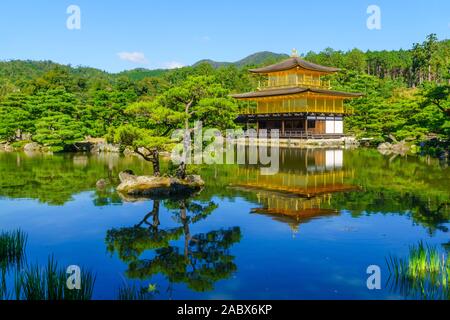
[101, 184]
[148, 186]
[32, 147]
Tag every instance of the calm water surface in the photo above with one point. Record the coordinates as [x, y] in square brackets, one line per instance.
[308, 232]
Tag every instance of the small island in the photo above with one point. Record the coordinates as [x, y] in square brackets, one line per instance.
[157, 186]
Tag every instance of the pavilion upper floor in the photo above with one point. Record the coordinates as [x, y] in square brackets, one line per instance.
[294, 72]
[296, 78]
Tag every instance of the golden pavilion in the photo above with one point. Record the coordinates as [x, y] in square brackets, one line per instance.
[294, 98]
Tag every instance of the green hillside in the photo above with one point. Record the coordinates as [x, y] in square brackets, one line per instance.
[140, 73]
[259, 58]
[406, 96]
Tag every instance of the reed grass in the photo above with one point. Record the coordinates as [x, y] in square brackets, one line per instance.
[12, 248]
[32, 282]
[129, 293]
[424, 273]
[50, 283]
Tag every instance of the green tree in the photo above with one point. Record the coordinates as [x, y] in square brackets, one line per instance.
[199, 98]
[57, 131]
[15, 119]
[438, 95]
[356, 60]
[142, 142]
[106, 109]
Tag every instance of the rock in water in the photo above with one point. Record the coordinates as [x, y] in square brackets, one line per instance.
[195, 180]
[9, 148]
[387, 148]
[126, 175]
[101, 184]
[32, 147]
[139, 186]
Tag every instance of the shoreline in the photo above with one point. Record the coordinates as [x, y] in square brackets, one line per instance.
[302, 143]
[348, 142]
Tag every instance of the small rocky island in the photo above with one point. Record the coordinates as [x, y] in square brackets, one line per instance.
[149, 186]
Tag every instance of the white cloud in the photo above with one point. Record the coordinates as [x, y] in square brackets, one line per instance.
[134, 57]
[173, 65]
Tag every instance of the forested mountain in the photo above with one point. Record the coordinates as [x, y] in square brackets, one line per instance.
[20, 70]
[259, 58]
[140, 73]
[406, 96]
[428, 61]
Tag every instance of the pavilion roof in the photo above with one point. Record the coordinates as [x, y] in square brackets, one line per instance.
[293, 91]
[294, 62]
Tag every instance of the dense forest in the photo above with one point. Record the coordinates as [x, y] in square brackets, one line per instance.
[406, 97]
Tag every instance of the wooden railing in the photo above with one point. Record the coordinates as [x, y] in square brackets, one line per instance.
[293, 109]
[284, 83]
[296, 134]
[309, 135]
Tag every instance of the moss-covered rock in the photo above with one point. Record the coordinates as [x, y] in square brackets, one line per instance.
[148, 186]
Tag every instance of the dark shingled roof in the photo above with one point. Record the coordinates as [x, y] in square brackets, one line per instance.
[293, 90]
[292, 63]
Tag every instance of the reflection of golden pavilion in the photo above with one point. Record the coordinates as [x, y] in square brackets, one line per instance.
[300, 191]
[293, 210]
[320, 172]
[303, 185]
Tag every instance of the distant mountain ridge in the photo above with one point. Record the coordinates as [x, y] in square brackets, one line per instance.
[28, 69]
[258, 58]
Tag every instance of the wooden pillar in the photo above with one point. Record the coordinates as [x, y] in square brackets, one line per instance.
[306, 125]
[282, 127]
[257, 127]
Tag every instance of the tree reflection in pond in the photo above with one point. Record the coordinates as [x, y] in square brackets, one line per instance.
[202, 260]
[131, 242]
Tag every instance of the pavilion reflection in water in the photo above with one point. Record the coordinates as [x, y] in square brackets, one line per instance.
[302, 190]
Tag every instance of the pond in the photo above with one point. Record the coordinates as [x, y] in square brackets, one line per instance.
[308, 232]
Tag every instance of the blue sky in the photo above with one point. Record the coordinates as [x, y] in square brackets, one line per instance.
[117, 35]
